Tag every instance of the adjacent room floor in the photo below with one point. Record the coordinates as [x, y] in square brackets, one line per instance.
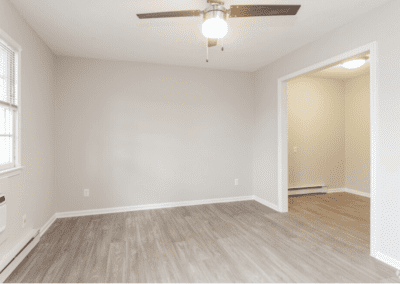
[323, 238]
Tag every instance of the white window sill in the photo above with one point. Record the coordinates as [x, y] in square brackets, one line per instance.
[11, 172]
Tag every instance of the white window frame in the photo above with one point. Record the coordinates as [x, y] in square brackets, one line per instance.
[17, 165]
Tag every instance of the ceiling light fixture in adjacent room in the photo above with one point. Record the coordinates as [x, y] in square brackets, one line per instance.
[355, 63]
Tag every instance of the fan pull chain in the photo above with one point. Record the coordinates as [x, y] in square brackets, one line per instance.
[222, 48]
[207, 50]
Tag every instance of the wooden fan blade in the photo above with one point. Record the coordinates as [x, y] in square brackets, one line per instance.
[219, 2]
[171, 14]
[263, 10]
[212, 42]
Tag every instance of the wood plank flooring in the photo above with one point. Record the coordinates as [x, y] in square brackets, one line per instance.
[323, 238]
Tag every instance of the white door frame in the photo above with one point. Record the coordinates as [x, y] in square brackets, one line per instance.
[283, 130]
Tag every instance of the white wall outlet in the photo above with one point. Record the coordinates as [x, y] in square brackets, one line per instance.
[86, 192]
[23, 221]
[295, 149]
[236, 181]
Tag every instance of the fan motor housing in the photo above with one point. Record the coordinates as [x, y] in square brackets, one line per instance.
[215, 11]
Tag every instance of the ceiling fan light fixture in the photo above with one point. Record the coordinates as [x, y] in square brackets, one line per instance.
[214, 16]
[214, 28]
[353, 64]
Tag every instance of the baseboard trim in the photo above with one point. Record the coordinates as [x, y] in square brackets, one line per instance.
[349, 190]
[332, 190]
[387, 259]
[266, 203]
[48, 224]
[14, 252]
[149, 206]
[357, 192]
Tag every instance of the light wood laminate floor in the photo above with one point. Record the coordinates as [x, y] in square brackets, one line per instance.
[323, 238]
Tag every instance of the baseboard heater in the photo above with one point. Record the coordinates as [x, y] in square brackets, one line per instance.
[308, 190]
[20, 254]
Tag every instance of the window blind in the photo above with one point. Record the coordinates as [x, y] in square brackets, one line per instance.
[8, 106]
[7, 75]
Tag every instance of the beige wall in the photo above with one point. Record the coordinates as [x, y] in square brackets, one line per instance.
[380, 25]
[137, 133]
[32, 192]
[316, 126]
[358, 133]
[328, 120]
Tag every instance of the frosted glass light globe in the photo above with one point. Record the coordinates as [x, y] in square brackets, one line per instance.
[214, 28]
[354, 64]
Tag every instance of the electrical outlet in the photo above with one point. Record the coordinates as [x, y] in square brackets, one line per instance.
[86, 192]
[23, 221]
[236, 181]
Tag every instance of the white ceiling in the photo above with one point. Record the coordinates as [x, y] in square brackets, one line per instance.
[110, 29]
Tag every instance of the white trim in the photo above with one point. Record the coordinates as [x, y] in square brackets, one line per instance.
[9, 41]
[11, 172]
[48, 224]
[374, 226]
[358, 192]
[13, 252]
[283, 175]
[266, 203]
[18, 117]
[282, 131]
[349, 190]
[332, 190]
[149, 206]
[387, 259]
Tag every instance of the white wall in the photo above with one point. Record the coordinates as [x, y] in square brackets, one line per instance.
[316, 126]
[137, 133]
[33, 191]
[381, 26]
[358, 133]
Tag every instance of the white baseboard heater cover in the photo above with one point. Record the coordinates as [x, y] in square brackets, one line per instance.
[3, 213]
[3, 218]
[19, 255]
[320, 189]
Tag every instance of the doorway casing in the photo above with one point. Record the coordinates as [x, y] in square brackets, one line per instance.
[283, 132]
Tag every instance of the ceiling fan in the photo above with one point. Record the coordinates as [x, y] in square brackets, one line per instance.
[215, 26]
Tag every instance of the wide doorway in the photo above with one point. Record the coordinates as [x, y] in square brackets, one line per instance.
[326, 164]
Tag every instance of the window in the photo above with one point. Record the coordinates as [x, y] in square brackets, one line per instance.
[9, 111]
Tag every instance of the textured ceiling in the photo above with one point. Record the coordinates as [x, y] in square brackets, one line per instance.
[109, 29]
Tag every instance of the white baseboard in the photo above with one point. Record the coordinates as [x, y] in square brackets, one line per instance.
[149, 206]
[48, 224]
[349, 190]
[357, 192]
[13, 253]
[331, 190]
[387, 259]
[266, 203]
